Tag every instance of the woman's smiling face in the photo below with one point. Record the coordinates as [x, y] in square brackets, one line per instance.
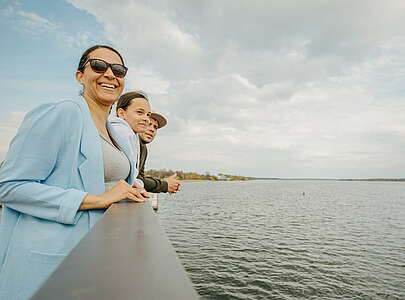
[104, 88]
[136, 114]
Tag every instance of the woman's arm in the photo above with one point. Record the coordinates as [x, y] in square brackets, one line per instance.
[33, 155]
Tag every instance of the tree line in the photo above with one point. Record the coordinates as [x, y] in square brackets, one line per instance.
[162, 173]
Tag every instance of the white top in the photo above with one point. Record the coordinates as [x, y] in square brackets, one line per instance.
[131, 139]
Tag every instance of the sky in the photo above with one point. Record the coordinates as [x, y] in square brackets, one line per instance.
[290, 89]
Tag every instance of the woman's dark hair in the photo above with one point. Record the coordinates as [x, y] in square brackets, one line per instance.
[86, 53]
[125, 100]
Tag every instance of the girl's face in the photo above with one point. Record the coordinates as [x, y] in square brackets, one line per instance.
[136, 115]
[104, 88]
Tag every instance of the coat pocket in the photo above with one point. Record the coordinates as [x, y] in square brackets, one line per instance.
[39, 266]
[45, 258]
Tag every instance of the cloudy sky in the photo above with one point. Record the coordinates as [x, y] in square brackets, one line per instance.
[258, 88]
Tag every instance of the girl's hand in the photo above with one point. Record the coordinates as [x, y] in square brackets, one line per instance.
[120, 191]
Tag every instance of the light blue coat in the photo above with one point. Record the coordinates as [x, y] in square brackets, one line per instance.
[52, 163]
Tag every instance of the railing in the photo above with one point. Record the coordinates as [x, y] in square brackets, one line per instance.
[126, 255]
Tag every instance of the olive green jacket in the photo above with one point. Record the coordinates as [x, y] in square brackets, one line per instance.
[153, 185]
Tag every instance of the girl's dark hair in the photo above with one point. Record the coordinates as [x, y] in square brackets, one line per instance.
[86, 53]
[125, 100]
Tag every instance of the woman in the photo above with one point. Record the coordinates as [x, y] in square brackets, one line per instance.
[58, 177]
[133, 117]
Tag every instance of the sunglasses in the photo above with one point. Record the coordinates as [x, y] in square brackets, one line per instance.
[101, 66]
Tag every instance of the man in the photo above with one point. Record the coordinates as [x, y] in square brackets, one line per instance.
[154, 185]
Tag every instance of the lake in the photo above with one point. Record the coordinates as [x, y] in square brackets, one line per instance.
[290, 239]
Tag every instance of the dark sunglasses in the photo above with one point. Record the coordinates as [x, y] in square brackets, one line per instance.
[101, 66]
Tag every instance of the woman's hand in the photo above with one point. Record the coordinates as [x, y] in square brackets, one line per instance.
[118, 192]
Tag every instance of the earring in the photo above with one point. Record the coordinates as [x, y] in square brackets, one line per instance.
[81, 93]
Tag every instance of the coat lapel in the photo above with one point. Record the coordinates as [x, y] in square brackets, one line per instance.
[91, 167]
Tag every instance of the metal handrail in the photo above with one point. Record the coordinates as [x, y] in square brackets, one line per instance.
[126, 255]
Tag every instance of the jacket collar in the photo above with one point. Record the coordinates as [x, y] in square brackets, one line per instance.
[91, 168]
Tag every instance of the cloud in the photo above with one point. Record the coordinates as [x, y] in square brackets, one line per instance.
[148, 80]
[26, 21]
[78, 40]
[32, 22]
[268, 88]
[146, 32]
[35, 25]
[320, 125]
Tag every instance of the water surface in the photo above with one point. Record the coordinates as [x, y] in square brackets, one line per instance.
[283, 239]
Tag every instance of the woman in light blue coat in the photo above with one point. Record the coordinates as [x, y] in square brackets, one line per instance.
[52, 182]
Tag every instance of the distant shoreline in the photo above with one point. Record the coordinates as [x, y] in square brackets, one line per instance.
[375, 179]
[318, 179]
[195, 177]
[195, 180]
[338, 179]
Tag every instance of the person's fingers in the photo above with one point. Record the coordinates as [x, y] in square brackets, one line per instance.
[172, 188]
[145, 194]
[134, 198]
[135, 194]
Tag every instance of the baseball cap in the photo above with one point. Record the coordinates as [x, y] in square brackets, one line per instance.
[159, 118]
